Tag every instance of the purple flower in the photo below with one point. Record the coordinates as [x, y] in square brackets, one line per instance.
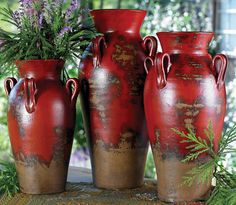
[1, 43]
[57, 3]
[17, 17]
[80, 157]
[71, 9]
[25, 4]
[40, 20]
[64, 31]
[26, 8]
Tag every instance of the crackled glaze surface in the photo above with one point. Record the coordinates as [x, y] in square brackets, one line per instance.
[193, 96]
[41, 119]
[112, 82]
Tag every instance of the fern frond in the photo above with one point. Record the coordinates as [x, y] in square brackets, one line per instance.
[225, 191]
[200, 174]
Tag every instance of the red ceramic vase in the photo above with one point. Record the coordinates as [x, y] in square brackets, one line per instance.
[189, 94]
[41, 120]
[112, 81]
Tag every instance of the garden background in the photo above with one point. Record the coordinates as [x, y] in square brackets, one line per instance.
[162, 15]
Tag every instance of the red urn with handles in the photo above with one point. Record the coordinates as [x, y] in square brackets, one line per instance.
[187, 93]
[112, 81]
[41, 120]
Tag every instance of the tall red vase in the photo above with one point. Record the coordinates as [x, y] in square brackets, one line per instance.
[112, 81]
[188, 93]
[41, 120]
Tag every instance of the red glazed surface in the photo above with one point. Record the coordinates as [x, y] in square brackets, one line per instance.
[189, 94]
[112, 82]
[41, 115]
[191, 98]
[116, 86]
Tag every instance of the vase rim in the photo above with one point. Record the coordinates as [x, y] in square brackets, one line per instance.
[40, 69]
[117, 10]
[185, 32]
[118, 20]
[40, 60]
[185, 41]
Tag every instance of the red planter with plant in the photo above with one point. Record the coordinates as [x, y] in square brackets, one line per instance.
[41, 120]
[41, 115]
[112, 81]
[187, 94]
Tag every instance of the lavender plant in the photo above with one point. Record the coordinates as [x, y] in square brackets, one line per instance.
[45, 29]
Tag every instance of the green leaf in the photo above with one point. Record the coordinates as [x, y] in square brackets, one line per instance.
[8, 178]
[81, 34]
[31, 42]
[224, 192]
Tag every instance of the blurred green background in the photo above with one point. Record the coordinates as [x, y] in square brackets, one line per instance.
[162, 15]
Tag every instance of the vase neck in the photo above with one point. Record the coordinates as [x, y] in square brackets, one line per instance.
[40, 69]
[185, 42]
[118, 20]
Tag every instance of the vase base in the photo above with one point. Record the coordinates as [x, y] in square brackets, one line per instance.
[37, 178]
[118, 168]
[170, 173]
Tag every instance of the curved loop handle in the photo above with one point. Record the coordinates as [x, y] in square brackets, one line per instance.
[150, 43]
[99, 44]
[221, 70]
[162, 66]
[30, 93]
[148, 63]
[9, 83]
[73, 94]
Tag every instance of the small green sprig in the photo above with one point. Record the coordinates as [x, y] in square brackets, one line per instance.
[224, 192]
[8, 179]
[201, 174]
[197, 145]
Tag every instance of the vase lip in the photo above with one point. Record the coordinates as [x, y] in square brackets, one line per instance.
[40, 68]
[185, 32]
[185, 41]
[118, 20]
[40, 60]
[118, 10]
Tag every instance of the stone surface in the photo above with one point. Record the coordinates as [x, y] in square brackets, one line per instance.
[80, 191]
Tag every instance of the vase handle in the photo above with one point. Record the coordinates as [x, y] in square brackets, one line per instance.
[148, 63]
[150, 43]
[221, 70]
[99, 43]
[30, 90]
[73, 94]
[162, 66]
[9, 84]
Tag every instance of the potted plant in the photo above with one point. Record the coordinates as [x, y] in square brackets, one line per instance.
[41, 114]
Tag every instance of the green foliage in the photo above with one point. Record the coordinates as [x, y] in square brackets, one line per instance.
[200, 174]
[80, 138]
[224, 191]
[176, 15]
[8, 179]
[150, 171]
[44, 30]
[197, 145]
[4, 139]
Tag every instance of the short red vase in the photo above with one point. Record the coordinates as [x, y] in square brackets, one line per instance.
[112, 81]
[188, 93]
[41, 120]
